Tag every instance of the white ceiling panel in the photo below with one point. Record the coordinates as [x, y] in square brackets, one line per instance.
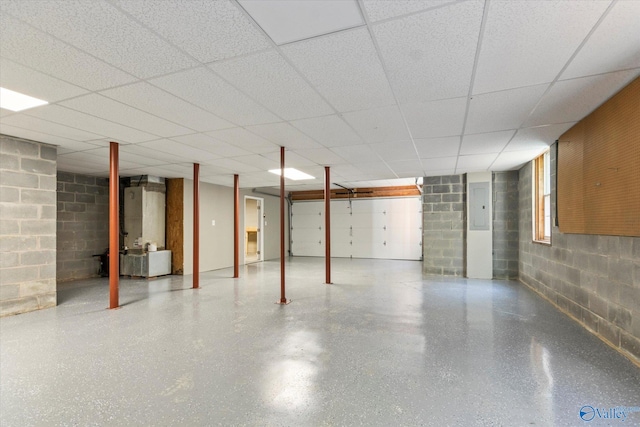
[438, 147]
[345, 68]
[73, 146]
[488, 112]
[270, 80]
[291, 159]
[244, 139]
[436, 118]
[259, 161]
[430, 56]
[379, 125]
[510, 160]
[357, 154]
[151, 153]
[440, 163]
[528, 42]
[407, 168]
[475, 162]
[25, 80]
[223, 180]
[232, 165]
[330, 131]
[492, 142]
[146, 97]
[182, 152]
[86, 158]
[613, 46]
[207, 30]
[73, 118]
[207, 90]
[212, 145]
[322, 156]
[97, 27]
[30, 47]
[114, 111]
[43, 126]
[571, 100]
[395, 151]
[537, 137]
[378, 168]
[285, 135]
[378, 10]
[125, 157]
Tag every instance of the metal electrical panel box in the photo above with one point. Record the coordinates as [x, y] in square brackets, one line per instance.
[479, 206]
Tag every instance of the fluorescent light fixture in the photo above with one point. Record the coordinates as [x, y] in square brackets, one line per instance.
[16, 101]
[292, 173]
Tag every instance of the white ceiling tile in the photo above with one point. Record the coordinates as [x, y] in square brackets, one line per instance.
[103, 31]
[438, 147]
[377, 168]
[440, 172]
[572, 100]
[75, 167]
[43, 126]
[125, 157]
[430, 56]
[357, 154]
[378, 10]
[528, 43]
[291, 159]
[345, 68]
[512, 160]
[146, 97]
[244, 139]
[503, 110]
[440, 163]
[379, 125]
[181, 152]
[232, 165]
[84, 158]
[68, 117]
[23, 79]
[537, 137]
[321, 156]
[395, 151]
[270, 80]
[207, 90]
[330, 131]
[285, 135]
[345, 171]
[223, 180]
[482, 143]
[6, 113]
[475, 162]
[613, 46]
[40, 51]
[212, 145]
[149, 151]
[289, 21]
[73, 146]
[207, 30]
[436, 118]
[407, 168]
[114, 111]
[259, 161]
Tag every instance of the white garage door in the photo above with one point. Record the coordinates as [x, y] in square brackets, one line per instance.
[363, 228]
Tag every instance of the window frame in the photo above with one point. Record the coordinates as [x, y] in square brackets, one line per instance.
[542, 198]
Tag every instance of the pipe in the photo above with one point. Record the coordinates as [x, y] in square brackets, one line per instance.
[196, 225]
[114, 226]
[283, 299]
[236, 225]
[327, 224]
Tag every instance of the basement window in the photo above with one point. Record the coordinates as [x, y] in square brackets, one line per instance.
[542, 199]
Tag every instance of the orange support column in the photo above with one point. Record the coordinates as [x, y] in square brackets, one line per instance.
[236, 225]
[196, 225]
[327, 224]
[114, 226]
[283, 299]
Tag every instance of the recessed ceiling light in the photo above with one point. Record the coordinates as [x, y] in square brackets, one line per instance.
[16, 101]
[293, 174]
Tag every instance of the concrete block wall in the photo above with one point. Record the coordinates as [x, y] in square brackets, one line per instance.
[27, 225]
[82, 224]
[505, 225]
[594, 279]
[444, 225]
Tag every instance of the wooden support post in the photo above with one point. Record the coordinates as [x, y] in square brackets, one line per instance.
[114, 226]
[196, 225]
[327, 224]
[236, 225]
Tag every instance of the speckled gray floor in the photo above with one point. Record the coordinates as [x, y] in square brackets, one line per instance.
[383, 346]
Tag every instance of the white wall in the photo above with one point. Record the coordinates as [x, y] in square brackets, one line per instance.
[480, 242]
[216, 241]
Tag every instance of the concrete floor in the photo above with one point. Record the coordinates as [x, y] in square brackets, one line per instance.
[383, 346]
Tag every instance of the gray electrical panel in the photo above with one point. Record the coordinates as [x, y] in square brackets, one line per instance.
[479, 199]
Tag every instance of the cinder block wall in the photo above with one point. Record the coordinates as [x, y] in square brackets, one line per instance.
[83, 224]
[505, 225]
[444, 238]
[595, 279]
[27, 225]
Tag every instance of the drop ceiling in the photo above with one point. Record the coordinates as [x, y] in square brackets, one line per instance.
[382, 91]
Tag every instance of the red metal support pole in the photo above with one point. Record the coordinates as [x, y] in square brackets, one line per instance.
[327, 223]
[236, 225]
[114, 226]
[283, 299]
[196, 225]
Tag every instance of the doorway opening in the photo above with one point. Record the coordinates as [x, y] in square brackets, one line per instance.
[253, 225]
